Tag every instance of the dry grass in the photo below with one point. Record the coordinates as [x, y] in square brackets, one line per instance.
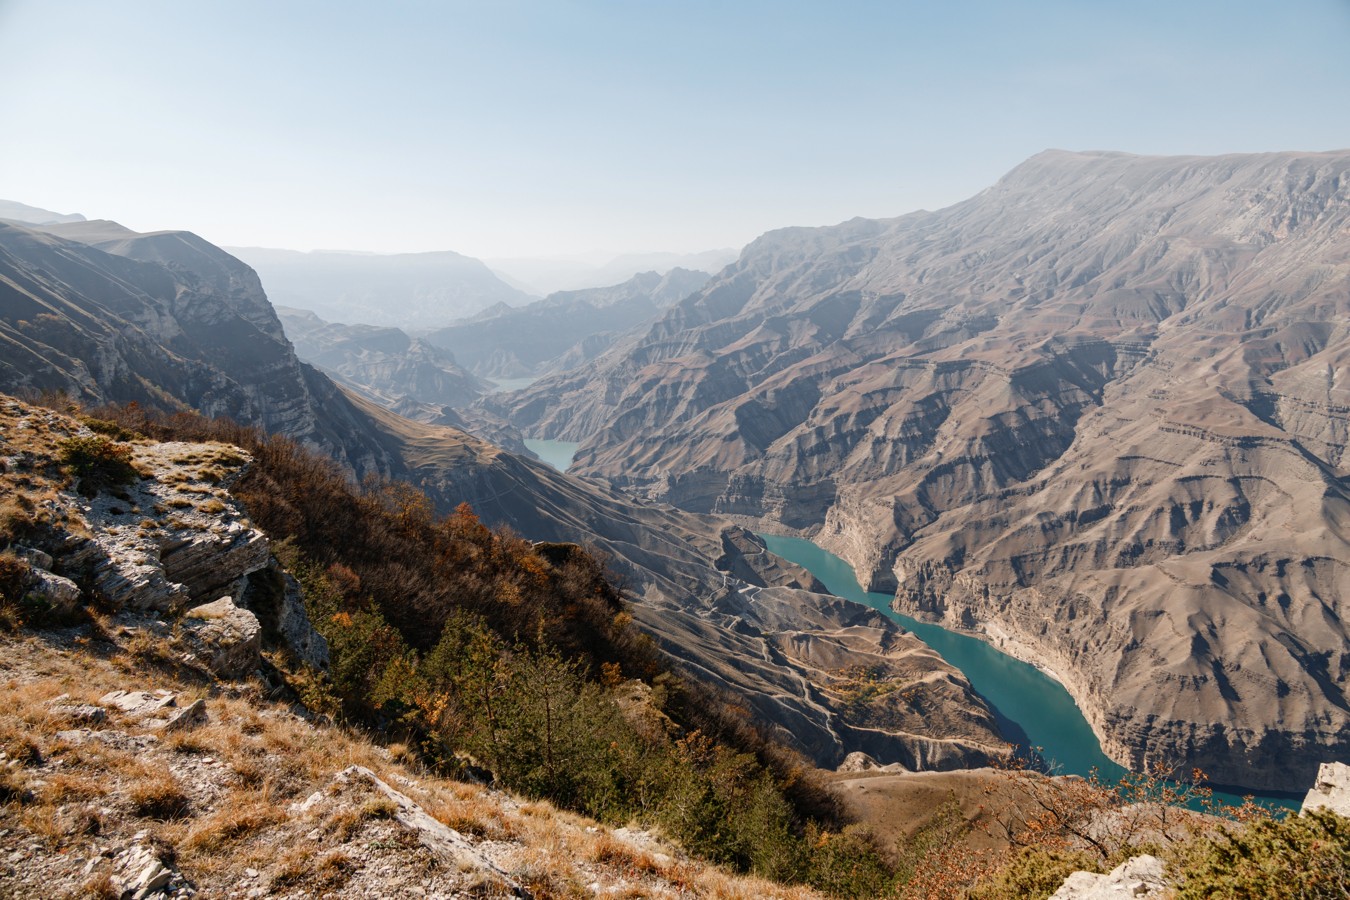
[97, 887]
[238, 821]
[263, 759]
[159, 796]
[64, 787]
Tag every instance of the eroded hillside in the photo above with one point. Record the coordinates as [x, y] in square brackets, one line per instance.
[1100, 407]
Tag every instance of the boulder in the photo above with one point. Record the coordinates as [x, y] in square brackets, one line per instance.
[61, 593]
[188, 718]
[139, 703]
[228, 638]
[276, 598]
[1331, 790]
[35, 557]
[1139, 876]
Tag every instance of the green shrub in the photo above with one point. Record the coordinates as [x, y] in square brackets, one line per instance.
[1305, 857]
[848, 863]
[97, 462]
[1035, 873]
[110, 429]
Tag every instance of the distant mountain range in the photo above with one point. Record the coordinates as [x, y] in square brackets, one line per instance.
[383, 363]
[402, 290]
[544, 276]
[1097, 413]
[32, 215]
[563, 330]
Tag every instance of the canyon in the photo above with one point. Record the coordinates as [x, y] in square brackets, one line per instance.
[1096, 414]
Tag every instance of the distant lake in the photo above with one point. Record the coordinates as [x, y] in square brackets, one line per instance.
[511, 384]
[557, 454]
[1033, 709]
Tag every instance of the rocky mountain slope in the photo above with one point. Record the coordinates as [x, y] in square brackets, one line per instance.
[384, 364]
[170, 321]
[151, 744]
[402, 290]
[731, 612]
[565, 329]
[165, 319]
[1100, 407]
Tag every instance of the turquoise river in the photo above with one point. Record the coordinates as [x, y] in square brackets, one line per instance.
[1033, 709]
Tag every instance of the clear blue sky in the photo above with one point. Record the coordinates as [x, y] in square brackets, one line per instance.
[512, 127]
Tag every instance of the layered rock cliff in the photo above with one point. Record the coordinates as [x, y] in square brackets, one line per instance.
[1100, 407]
[168, 320]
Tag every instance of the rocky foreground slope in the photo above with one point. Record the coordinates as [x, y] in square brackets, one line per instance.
[1100, 408]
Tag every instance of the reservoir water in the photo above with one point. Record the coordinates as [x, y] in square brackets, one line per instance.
[557, 454]
[512, 384]
[1033, 709]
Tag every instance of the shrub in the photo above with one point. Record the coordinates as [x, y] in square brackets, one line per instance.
[1307, 857]
[1035, 872]
[97, 462]
[16, 578]
[848, 863]
[109, 429]
[19, 605]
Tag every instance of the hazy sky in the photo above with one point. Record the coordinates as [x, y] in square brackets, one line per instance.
[504, 128]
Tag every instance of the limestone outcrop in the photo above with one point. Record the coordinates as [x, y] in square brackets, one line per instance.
[1331, 790]
[1139, 876]
[171, 541]
[227, 638]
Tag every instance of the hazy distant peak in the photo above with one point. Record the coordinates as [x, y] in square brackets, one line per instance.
[551, 276]
[88, 231]
[32, 215]
[405, 290]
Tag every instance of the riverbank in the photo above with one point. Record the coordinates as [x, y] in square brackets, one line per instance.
[1035, 709]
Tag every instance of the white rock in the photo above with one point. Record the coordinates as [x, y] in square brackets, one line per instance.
[188, 718]
[1139, 876]
[138, 703]
[1331, 790]
[229, 638]
[439, 838]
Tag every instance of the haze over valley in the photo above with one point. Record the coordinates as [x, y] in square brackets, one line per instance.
[895, 508]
